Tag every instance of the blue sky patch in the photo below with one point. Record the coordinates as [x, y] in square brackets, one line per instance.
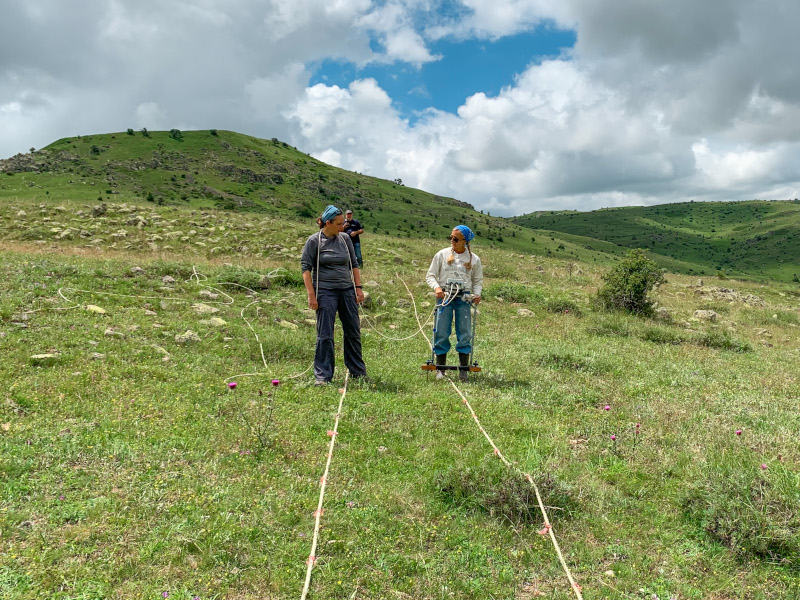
[466, 67]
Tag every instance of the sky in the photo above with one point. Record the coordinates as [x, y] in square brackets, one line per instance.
[511, 105]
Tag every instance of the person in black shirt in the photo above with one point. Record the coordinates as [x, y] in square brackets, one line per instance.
[354, 229]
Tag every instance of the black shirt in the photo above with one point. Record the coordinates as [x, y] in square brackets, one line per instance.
[335, 258]
[353, 225]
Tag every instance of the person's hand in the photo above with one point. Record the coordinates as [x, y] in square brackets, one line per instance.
[312, 302]
[476, 300]
[352, 234]
[439, 293]
[359, 295]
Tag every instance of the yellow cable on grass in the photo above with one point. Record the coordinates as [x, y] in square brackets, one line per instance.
[548, 528]
[312, 558]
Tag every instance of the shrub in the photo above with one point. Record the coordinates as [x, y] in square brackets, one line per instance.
[248, 278]
[213, 132]
[176, 134]
[753, 512]
[628, 284]
[512, 292]
[286, 278]
[562, 305]
[615, 324]
[505, 494]
[662, 335]
[715, 338]
[144, 132]
[130, 131]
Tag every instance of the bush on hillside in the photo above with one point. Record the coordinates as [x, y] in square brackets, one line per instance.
[628, 284]
[753, 512]
[660, 334]
[563, 306]
[176, 134]
[505, 494]
[611, 324]
[512, 292]
[722, 340]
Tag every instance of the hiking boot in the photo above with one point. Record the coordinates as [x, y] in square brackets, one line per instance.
[441, 360]
[463, 360]
[321, 382]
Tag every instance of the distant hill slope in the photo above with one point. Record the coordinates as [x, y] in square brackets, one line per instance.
[760, 238]
[230, 171]
[224, 170]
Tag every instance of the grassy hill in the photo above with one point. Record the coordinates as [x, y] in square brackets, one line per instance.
[128, 468]
[756, 238]
[223, 170]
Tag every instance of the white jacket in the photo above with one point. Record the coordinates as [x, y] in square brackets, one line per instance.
[439, 273]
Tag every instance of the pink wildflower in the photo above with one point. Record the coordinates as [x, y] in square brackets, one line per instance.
[738, 432]
[276, 382]
[232, 385]
[613, 438]
[763, 467]
[607, 407]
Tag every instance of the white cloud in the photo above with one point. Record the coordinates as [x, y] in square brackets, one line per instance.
[656, 102]
[150, 115]
[392, 25]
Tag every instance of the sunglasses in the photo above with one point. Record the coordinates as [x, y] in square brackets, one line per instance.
[453, 238]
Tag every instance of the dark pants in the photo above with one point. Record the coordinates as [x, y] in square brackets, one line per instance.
[344, 302]
[357, 248]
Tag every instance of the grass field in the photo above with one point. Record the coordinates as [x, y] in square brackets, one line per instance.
[129, 469]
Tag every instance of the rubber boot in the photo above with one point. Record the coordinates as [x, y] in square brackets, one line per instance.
[463, 360]
[441, 359]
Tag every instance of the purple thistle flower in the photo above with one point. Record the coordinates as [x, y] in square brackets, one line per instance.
[763, 467]
[607, 407]
[165, 594]
[232, 385]
[738, 432]
[276, 382]
[613, 438]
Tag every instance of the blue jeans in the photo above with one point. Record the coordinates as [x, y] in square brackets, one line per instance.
[344, 302]
[357, 248]
[443, 325]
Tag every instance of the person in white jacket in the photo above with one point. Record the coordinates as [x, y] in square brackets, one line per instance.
[456, 276]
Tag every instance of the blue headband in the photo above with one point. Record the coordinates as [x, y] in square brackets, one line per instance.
[466, 232]
[330, 213]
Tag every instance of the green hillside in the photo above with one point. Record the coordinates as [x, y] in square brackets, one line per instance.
[759, 238]
[226, 171]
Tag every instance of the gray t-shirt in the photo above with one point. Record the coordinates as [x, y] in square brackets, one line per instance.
[335, 259]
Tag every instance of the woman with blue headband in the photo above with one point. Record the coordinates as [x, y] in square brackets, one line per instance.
[456, 276]
[333, 283]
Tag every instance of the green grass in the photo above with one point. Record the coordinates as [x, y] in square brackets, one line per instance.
[136, 474]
